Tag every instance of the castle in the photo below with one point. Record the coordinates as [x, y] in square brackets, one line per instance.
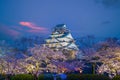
[61, 39]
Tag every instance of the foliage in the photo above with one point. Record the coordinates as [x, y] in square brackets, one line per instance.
[116, 77]
[4, 48]
[41, 77]
[110, 59]
[23, 77]
[2, 77]
[86, 77]
[48, 77]
[25, 43]
[45, 77]
[42, 59]
[69, 66]
[104, 56]
[73, 76]
[70, 54]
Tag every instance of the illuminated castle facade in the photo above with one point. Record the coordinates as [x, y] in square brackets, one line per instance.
[61, 39]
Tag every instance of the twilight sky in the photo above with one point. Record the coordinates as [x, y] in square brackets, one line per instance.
[37, 17]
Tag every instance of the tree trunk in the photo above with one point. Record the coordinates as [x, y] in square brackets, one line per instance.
[93, 68]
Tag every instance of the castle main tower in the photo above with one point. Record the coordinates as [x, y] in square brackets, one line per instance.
[61, 39]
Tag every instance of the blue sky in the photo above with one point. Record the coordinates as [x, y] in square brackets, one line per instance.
[100, 18]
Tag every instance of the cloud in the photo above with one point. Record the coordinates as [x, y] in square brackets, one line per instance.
[9, 31]
[36, 31]
[109, 3]
[33, 27]
[13, 32]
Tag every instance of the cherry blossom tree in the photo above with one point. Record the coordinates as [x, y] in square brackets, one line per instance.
[69, 66]
[110, 59]
[42, 58]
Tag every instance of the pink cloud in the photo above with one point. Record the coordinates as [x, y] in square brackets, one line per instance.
[17, 31]
[13, 32]
[8, 30]
[36, 31]
[33, 27]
